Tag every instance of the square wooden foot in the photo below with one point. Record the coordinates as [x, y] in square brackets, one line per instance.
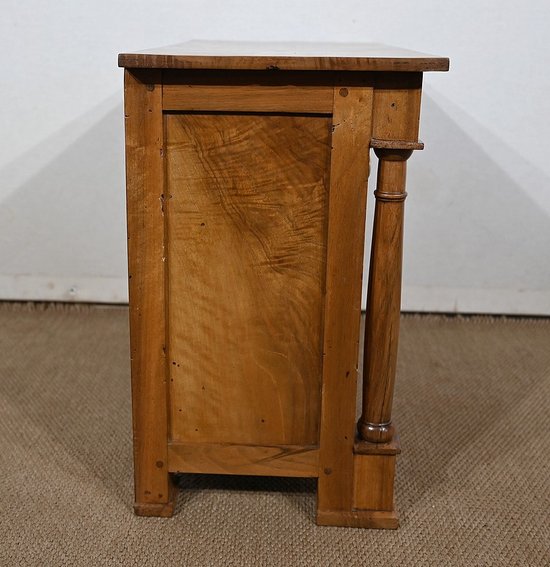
[158, 509]
[372, 498]
[374, 475]
[372, 519]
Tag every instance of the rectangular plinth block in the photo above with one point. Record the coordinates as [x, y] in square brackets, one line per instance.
[358, 519]
[373, 482]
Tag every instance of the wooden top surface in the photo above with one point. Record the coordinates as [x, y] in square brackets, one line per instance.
[295, 56]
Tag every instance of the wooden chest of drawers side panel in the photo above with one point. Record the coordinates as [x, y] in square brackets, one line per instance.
[246, 206]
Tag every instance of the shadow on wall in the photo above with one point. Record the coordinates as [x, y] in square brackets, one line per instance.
[475, 237]
[66, 222]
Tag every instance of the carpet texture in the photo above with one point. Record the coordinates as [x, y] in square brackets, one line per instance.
[472, 407]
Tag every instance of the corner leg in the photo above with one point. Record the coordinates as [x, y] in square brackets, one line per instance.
[166, 504]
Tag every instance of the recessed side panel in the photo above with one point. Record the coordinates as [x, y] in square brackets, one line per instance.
[246, 203]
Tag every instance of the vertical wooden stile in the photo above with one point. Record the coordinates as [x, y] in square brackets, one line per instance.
[349, 167]
[146, 272]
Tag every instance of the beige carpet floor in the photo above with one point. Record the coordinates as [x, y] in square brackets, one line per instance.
[472, 405]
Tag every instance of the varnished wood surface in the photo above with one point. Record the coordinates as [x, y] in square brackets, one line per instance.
[395, 136]
[395, 116]
[373, 482]
[396, 112]
[289, 56]
[373, 519]
[352, 124]
[253, 98]
[396, 144]
[282, 460]
[393, 447]
[246, 246]
[384, 297]
[145, 187]
[246, 207]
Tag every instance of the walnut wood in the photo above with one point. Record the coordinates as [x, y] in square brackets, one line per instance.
[246, 246]
[396, 144]
[290, 56]
[362, 447]
[384, 297]
[349, 168]
[155, 510]
[281, 460]
[145, 187]
[246, 207]
[373, 519]
[254, 98]
[396, 112]
[373, 486]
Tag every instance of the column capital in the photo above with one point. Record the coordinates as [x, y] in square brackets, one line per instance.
[394, 150]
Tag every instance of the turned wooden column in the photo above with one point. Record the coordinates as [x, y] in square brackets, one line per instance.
[384, 290]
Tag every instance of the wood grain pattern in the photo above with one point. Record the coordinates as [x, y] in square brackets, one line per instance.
[281, 460]
[253, 98]
[347, 206]
[384, 297]
[397, 106]
[373, 482]
[280, 55]
[246, 209]
[145, 180]
[393, 447]
[246, 233]
[396, 144]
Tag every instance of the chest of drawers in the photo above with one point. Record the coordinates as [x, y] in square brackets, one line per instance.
[247, 172]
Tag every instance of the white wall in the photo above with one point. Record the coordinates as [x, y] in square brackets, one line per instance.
[477, 227]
